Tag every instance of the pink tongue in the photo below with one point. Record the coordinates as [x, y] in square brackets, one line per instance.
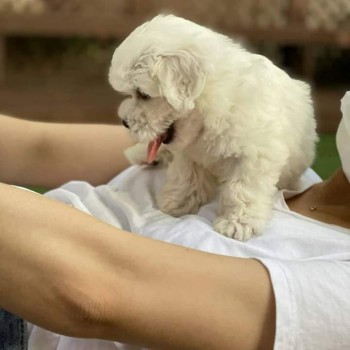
[153, 147]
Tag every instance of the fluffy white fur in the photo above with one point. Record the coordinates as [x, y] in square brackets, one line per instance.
[243, 127]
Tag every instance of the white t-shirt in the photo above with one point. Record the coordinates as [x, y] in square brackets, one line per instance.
[308, 261]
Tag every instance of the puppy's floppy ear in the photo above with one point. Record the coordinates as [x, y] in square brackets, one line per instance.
[181, 78]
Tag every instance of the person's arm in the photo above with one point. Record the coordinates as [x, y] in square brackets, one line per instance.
[84, 278]
[49, 154]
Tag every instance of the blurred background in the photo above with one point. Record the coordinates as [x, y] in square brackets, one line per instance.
[55, 54]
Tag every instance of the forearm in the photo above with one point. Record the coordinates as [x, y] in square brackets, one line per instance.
[17, 143]
[78, 276]
[93, 153]
[49, 154]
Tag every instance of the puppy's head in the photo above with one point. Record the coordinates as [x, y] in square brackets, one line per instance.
[162, 73]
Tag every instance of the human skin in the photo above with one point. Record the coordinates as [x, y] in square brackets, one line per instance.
[327, 201]
[80, 277]
[70, 273]
[50, 154]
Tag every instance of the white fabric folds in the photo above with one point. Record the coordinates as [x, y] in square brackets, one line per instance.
[343, 135]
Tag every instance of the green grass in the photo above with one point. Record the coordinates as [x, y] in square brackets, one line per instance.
[327, 159]
[38, 189]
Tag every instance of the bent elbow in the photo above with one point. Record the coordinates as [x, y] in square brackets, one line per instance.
[84, 311]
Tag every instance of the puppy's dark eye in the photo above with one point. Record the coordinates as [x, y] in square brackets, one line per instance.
[142, 96]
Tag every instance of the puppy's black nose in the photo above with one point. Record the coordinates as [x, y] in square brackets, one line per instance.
[125, 124]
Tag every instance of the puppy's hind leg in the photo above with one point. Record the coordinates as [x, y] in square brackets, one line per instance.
[187, 187]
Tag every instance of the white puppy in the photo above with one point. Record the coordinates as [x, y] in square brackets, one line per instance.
[236, 125]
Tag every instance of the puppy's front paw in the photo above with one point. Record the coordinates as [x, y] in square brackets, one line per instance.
[137, 155]
[231, 227]
[171, 207]
[176, 207]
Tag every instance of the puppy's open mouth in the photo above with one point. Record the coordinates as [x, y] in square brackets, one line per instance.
[154, 145]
